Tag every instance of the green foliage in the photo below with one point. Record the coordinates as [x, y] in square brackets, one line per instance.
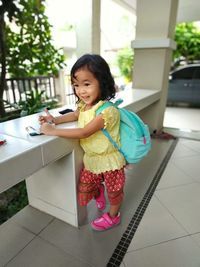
[187, 37]
[9, 10]
[12, 201]
[35, 101]
[9, 7]
[125, 59]
[25, 44]
[10, 116]
[29, 45]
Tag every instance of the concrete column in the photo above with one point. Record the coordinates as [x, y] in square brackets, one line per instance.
[88, 27]
[153, 47]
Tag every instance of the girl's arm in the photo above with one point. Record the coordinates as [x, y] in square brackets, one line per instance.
[71, 116]
[95, 125]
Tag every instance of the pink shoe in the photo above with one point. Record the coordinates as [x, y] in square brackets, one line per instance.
[105, 222]
[100, 200]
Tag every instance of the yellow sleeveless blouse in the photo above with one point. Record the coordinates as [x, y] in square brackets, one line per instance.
[100, 155]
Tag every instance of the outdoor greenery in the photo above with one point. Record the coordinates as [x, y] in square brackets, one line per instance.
[30, 50]
[125, 59]
[12, 201]
[187, 37]
[25, 42]
[35, 102]
[8, 10]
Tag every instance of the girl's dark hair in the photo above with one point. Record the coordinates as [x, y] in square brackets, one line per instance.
[101, 71]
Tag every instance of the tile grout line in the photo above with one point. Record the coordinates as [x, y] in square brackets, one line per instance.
[122, 247]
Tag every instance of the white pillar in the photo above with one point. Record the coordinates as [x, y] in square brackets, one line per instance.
[153, 47]
[88, 27]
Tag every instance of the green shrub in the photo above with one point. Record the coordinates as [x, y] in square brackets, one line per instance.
[35, 102]
[12, 201]
[125, 58]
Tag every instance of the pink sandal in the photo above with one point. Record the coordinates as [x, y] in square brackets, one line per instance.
[100, 200]
[105, 222]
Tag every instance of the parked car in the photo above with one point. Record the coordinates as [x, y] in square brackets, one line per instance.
[184, 85]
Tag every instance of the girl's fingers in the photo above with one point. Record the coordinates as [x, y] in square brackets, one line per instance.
[48, 118]
[46, 128]
[41, 119]
[47, 112]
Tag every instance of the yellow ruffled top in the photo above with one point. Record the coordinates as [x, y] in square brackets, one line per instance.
[100, 155]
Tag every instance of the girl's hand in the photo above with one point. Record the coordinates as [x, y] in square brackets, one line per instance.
[48, 118]
[47, 128]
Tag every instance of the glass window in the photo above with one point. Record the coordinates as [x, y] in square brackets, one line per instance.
[196, 73]
[186, 73]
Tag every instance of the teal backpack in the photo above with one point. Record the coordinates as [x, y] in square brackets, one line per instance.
[135, 138]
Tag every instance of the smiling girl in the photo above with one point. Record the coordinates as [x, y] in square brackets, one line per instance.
[93, 84]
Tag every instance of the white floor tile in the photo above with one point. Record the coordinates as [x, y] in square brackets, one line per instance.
[183, 203]
[182, 252]
[45, 255]
[90, 246]
[196, 238]
[181, 150]
[194, 145]
[32, 219]
[157, 225]
[13, 239]
[173, 176]
[190, 165]
[122, 264]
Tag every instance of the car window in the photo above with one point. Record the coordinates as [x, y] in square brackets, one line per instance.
[186, 73]
[196, 74]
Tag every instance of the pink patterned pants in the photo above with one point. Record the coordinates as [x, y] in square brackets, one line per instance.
[89, 184]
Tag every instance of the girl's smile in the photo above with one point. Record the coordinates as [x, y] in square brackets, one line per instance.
[86, 87]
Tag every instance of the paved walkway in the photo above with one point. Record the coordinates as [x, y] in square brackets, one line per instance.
[169, 233]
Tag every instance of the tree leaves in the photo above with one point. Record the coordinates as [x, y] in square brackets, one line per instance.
[125, 59]
[30, 50]
[187, 37]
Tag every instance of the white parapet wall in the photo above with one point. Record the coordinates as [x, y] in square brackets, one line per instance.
[51, 165]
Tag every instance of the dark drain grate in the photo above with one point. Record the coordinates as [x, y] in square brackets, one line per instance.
[127, 237]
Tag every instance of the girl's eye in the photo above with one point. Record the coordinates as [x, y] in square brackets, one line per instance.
[87, 84]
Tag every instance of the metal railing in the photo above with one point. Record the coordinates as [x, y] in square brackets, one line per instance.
[16, 89]
[70, 96]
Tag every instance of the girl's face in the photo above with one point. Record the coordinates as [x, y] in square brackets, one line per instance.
[86, 86]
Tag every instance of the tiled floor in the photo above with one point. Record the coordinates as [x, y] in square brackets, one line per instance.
[169, 233]
[34, 239]
[167, 236]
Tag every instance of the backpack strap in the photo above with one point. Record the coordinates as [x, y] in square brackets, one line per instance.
[105, 132]
[108, 104]
[104, 106]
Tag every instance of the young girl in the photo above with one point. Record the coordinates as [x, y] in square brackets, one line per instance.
[93, 84]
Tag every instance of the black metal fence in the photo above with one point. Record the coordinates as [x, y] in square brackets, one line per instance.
[16, 89]
[70, 96]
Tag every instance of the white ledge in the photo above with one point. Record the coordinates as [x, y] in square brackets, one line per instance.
[138, 99]
[51, 165]
[25, 154]
[154, 43]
